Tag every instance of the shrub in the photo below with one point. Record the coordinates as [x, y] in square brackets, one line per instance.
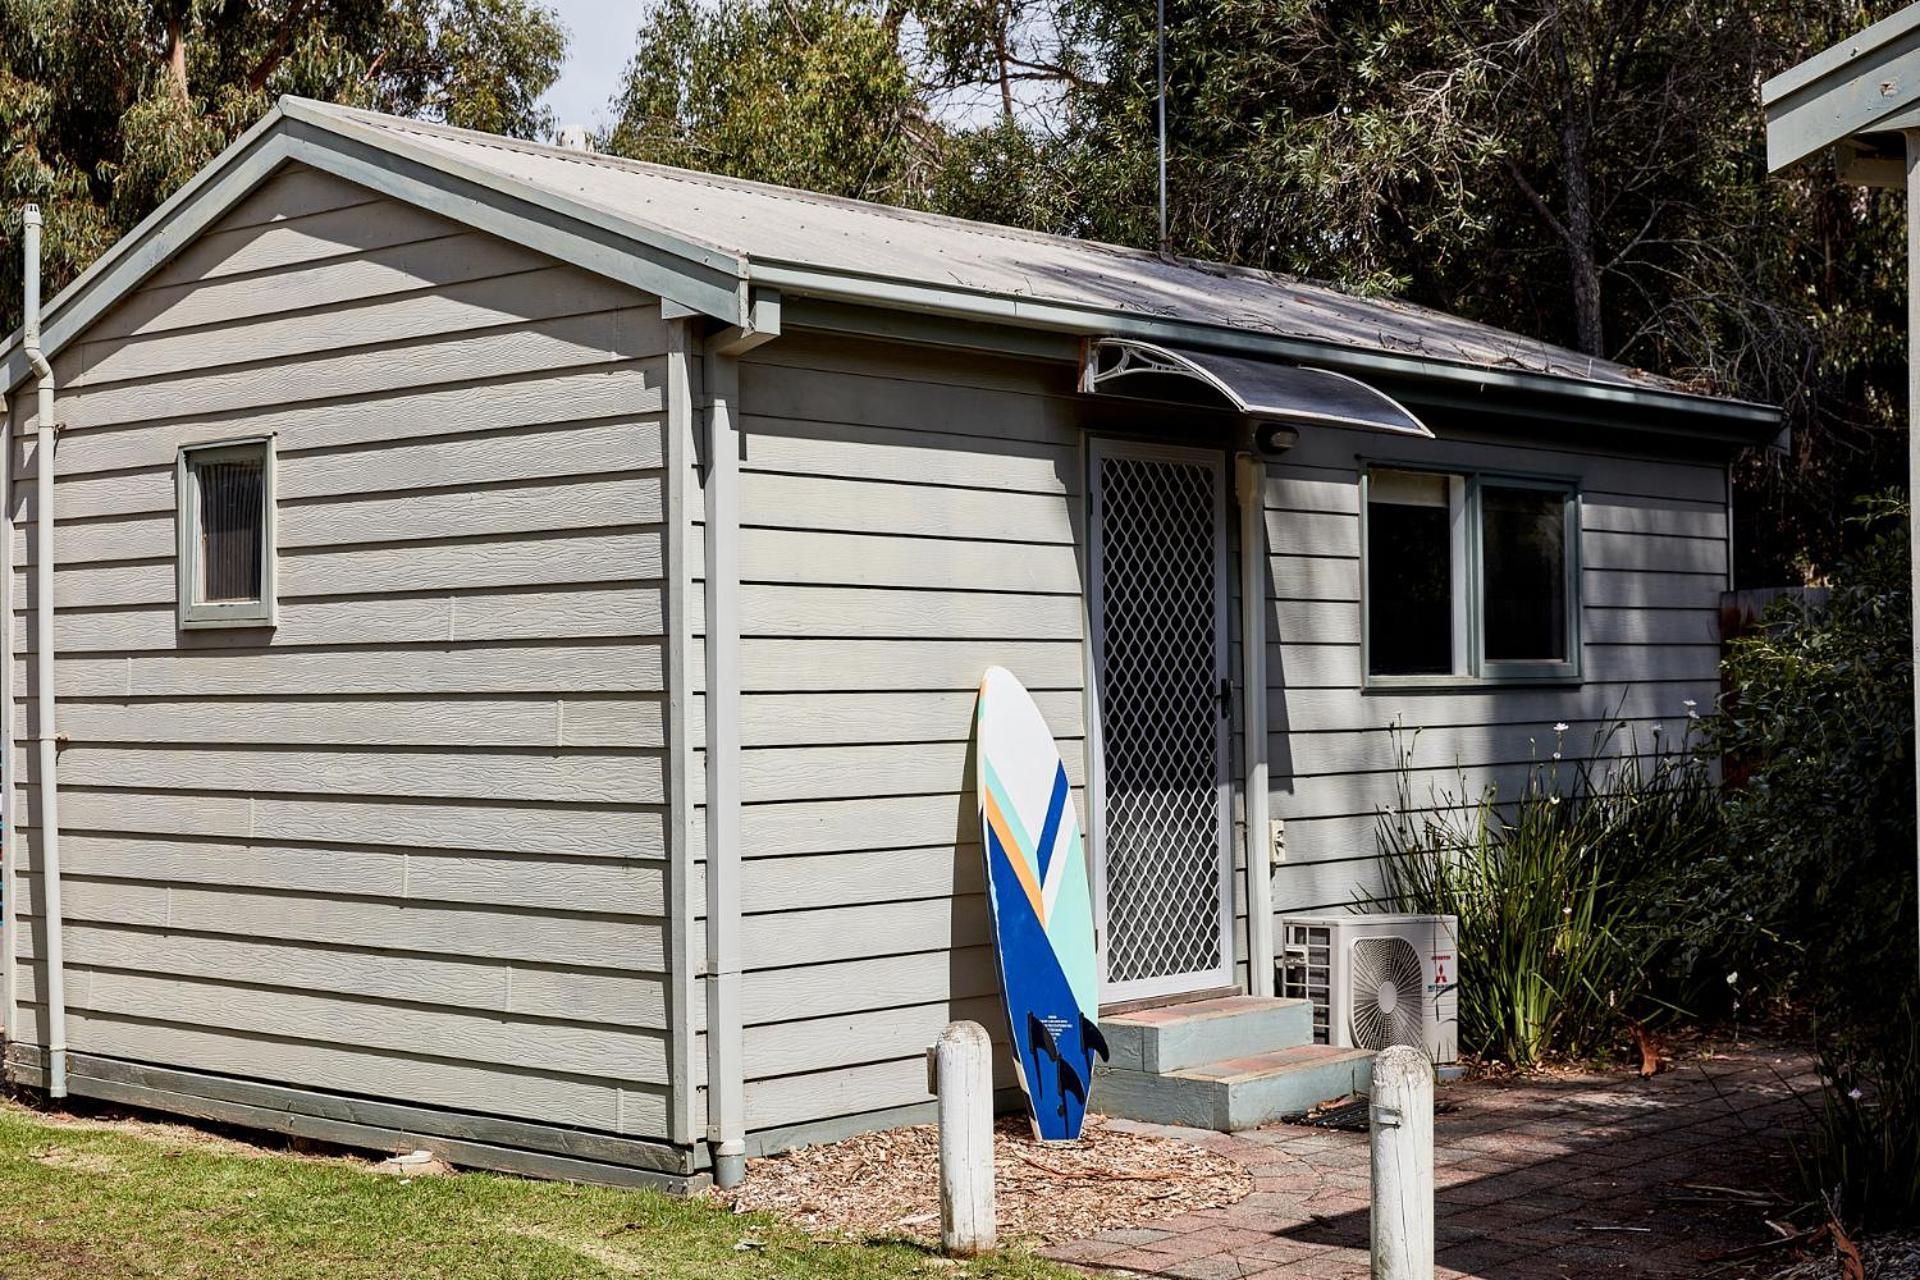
[1820, 856]
[1573, 897]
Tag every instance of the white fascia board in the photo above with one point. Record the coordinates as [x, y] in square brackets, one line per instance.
[667, 245]
[559, 228]
[203, 200]
[706, 282]
[1061, 317]
[1851, 88]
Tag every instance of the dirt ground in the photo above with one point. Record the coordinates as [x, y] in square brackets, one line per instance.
[887, 1184]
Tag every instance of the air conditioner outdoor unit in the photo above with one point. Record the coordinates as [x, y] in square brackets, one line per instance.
[1375, 980]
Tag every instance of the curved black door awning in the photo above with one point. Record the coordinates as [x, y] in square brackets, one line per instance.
[1257, 388]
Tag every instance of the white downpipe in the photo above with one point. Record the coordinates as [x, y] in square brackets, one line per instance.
[726, 1085]
[726, 1052]
[1251, 473]
[49, 827]
[10, 842]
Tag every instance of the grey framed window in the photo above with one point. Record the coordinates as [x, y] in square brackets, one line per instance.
[225, 518]
[1469, 577]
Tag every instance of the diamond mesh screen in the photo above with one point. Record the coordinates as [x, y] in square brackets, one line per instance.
[1160, 717]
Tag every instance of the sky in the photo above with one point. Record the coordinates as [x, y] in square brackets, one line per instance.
[601, 42]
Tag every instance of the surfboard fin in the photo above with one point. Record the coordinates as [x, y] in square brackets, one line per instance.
[1090, 1036]
[1071, 1083]
[1041, 1036]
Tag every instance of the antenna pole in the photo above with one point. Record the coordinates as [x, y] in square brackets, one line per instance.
[1160, 63]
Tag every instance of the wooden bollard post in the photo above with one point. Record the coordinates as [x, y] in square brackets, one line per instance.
[961, 1065]
[1401, 1113]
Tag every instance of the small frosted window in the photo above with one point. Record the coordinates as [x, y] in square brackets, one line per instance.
[231, 516]
[226, 535]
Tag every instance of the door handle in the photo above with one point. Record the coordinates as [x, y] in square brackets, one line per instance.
[1226, 697]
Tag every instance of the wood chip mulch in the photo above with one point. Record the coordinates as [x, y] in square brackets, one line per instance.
[1895, 1256]
[887, 1184]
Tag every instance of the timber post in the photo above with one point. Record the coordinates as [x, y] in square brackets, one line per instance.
[1401, 1135]
[961, 1066]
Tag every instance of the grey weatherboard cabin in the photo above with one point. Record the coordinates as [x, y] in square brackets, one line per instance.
[515, 617]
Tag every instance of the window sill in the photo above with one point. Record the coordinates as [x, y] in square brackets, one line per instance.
[1468, 684]
[257, 622]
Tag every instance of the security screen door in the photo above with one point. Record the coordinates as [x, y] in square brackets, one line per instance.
[1161, 806]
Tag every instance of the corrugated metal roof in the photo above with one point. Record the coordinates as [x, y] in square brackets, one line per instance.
[735, 250]
[782, 227]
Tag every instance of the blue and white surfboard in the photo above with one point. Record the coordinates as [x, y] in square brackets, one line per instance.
[1042, 905]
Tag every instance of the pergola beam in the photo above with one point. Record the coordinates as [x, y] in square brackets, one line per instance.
[1846, 91]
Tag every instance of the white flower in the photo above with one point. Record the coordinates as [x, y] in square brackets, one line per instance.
[1656, 729]
[1566, 911]
[1855, 1094]
[1689, 704]
[1556, 755]
[1733, 978]
[1560, 727]
[1553, 799]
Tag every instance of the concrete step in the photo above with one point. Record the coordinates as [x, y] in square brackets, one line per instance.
[1236, 1093]
[1176, 1036]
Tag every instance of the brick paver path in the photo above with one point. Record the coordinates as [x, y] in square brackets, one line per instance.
[1592, 1175]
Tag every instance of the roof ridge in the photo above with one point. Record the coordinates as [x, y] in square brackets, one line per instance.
[800, 195]
[1455, 338]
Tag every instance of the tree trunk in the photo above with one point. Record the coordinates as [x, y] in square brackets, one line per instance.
[1006, 72]
[177, 54]
[1582, 259]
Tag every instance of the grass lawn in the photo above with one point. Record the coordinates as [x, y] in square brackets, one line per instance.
[94, 1198]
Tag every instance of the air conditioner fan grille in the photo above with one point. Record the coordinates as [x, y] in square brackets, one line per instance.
[1389, 985]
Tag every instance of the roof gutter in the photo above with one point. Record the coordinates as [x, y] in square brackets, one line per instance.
[1740, 420]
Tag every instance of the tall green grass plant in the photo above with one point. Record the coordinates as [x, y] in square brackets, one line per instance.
[1573, 896]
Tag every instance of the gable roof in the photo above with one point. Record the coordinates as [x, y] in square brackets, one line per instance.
[708, 243]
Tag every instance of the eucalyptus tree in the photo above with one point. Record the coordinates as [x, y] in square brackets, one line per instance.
[107, 106]
[806, 93]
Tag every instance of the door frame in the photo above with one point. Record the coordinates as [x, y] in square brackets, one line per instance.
[1100, 448]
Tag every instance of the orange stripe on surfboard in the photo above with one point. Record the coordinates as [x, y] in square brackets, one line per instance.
[1016, 856]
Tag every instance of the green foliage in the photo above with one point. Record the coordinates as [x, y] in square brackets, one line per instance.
[806, 93]
[1863, 1155]
[1820, 856]
[107, 106]
[1819, 733]
[1575, 910]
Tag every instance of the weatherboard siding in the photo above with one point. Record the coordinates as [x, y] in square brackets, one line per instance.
[415, 843]
[911, 516]
[908, 518]
[1654, 554]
